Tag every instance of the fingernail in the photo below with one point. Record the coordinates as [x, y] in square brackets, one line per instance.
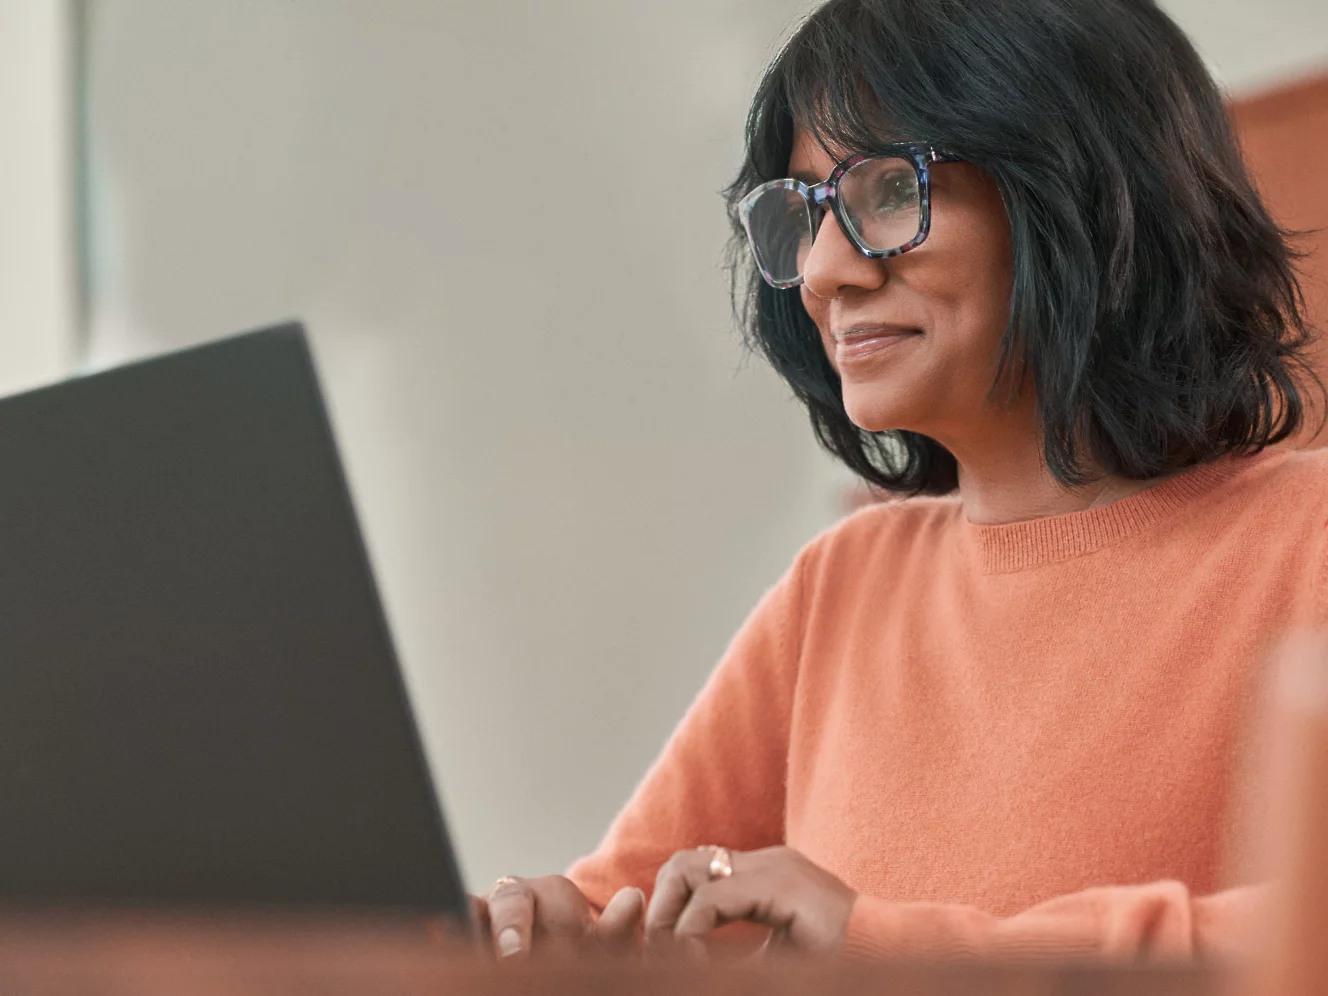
[509, 942]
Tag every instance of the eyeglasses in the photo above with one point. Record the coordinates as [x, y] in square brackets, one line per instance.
[881, 200]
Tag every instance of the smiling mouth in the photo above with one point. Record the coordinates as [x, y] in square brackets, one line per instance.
[862, 341]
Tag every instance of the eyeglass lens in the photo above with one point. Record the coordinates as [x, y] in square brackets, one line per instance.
[881, 202]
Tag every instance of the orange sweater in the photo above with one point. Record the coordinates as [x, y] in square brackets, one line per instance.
[1014, 740]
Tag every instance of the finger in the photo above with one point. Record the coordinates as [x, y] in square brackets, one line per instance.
[511, 918]
[680, 876]
[619, 926]
[563, 924]
[726, 901]
[673, 887]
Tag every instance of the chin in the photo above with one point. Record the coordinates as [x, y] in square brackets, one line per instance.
[876, 414]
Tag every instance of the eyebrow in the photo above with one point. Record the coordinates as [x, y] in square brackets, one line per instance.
[807, 177]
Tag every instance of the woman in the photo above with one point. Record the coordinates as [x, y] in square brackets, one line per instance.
[1039, 299]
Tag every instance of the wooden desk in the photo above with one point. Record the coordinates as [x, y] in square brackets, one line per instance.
[225, 957]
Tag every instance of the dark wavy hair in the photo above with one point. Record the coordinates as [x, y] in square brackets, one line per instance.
[1155, 304]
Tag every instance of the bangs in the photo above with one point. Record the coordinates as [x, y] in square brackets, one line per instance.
[852, 82]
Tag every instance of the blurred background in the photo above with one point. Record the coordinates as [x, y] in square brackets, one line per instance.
[501, 222]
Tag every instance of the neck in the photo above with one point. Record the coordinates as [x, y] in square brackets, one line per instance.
[1003, 479]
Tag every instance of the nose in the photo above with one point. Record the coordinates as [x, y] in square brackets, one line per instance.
[834, 265]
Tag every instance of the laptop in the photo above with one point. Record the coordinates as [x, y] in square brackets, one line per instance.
[200, 705]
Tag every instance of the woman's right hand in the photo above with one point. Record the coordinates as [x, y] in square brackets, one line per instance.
[550, 915]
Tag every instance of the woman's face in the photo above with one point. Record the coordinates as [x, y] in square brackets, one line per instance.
[915, 339]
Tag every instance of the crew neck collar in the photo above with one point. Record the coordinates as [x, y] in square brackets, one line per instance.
[1017, 546]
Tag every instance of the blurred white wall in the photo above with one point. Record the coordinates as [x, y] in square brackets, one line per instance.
[500, 221]
[36, 233]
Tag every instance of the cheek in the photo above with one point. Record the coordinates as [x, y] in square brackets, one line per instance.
[983, 309]
[974, 275]
[818, 310]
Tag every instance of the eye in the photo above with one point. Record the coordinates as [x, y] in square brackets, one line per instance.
[895, 190]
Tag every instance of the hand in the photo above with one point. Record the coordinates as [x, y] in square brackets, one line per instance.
[550, 915]
[805, 907]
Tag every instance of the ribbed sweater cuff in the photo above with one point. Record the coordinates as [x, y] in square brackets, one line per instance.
[880, 929]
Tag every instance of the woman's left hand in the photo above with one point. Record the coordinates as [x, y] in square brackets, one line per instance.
[805, 907]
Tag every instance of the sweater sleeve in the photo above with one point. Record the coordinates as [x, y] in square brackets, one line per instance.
[1157, 922]
[721, 775]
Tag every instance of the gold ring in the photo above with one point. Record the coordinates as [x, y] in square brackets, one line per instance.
[721, 861]
[505, 880]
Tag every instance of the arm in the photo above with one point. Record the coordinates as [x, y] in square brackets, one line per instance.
[720, 779]
[808, 909]
[1160, 921]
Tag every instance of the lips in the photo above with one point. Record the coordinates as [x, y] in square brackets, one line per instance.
[859, 342]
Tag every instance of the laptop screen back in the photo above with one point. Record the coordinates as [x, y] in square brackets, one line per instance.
[199, 701]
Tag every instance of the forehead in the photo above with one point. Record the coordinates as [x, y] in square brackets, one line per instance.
[809, 161]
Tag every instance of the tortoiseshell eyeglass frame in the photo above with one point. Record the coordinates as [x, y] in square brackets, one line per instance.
[821, 195]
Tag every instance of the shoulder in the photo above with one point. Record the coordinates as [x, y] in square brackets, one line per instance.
[1293, 484]
[1308, 466]
[1286, 498]
[885, 533]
